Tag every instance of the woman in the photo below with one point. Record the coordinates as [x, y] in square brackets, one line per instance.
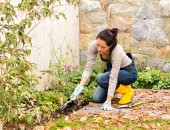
[120, 73]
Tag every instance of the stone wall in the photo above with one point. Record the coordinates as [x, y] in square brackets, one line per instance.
[144, 24]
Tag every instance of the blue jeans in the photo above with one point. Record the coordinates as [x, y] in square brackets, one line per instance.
[126, 76]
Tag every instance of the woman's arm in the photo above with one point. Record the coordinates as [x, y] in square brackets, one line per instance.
[83, 81]
[109, 98]
[91, 57]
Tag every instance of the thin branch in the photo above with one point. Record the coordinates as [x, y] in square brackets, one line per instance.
[53, 48]
[60, 5]
[31, 47]
[36, 25]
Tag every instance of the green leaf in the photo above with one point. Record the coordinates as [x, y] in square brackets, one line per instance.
[53, 52]
[29, 24]
[28, 52]
[63, 15]
[30, 119]
[61, 123]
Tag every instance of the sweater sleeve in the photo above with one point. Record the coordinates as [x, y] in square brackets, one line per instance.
[116, 59]
[91, 58]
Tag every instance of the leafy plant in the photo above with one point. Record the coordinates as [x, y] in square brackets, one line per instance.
[152, 79]
[70, 79]
[19, 101]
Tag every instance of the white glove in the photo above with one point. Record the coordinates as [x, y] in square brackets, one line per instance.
[107, 106]
[76, 92]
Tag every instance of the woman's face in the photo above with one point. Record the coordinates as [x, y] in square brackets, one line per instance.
[102, 47]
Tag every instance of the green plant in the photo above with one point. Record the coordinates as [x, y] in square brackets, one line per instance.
[69, 79]
[33, 106]
[18, 96]
[16, 71]
[152, 79]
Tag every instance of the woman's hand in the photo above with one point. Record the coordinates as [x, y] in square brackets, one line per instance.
[76, 92]
[107, 106]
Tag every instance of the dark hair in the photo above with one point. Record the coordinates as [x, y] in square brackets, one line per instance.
[110, 36]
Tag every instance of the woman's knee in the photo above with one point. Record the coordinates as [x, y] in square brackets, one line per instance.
[99, 95]
[98, 80]
[101, 82]
[97, 99]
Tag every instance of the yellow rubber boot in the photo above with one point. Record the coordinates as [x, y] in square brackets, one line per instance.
[127, 93]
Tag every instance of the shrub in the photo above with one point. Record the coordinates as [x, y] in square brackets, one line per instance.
[69, 80]
[19, 101]
[152, 79]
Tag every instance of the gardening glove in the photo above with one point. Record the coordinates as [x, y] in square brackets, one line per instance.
[76, 92]
[107, 106]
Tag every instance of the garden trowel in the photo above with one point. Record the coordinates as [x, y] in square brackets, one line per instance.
[72, 105]
[67, 104]
[130, 106]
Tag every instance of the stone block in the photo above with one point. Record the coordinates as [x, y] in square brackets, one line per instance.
[120, 9]
[166, 68]
[122, 23]
[124, 40]
[85, 26]
[163, 53]
[85, 39]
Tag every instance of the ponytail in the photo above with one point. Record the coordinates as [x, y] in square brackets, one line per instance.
[114, 32]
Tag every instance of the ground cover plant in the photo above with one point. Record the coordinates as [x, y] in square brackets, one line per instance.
[152, 79]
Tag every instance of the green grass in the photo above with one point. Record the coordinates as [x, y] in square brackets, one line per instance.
[96, 122]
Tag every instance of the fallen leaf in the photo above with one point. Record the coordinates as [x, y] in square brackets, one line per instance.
[158, 125]
[98, 119]
[39, 128]
[106, 122]
[21, 127]
[67, 128]
[153, 126]
[66, 118]
[49, 125]
[145, 126]
[83, 119]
